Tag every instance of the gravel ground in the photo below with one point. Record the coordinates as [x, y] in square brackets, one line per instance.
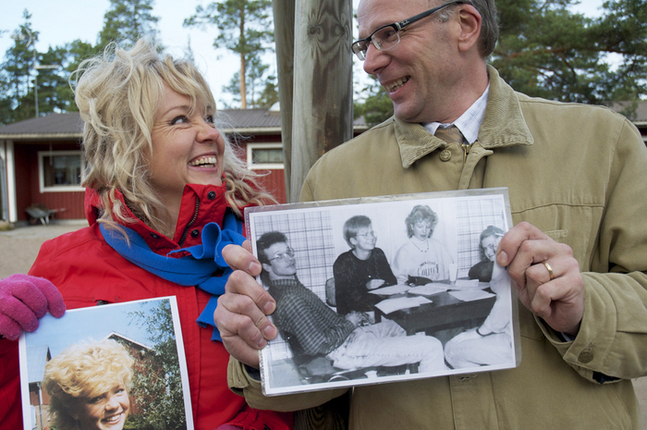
[19, 248]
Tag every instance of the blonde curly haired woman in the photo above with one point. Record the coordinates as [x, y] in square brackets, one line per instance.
[88, 385]
[164, 194]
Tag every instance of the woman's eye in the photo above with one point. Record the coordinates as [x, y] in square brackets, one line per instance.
[179, 119]
[209, 119]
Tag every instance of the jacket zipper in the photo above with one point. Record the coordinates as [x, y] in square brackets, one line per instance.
[186, 229]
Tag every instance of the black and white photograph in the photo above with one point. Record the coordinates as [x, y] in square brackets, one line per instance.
[116, 366]
[385, 289]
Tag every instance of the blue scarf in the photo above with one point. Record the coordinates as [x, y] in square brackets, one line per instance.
[199, 268]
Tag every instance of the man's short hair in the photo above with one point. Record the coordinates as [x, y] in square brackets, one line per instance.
[352, 226]
[265, 241]
[489, 23]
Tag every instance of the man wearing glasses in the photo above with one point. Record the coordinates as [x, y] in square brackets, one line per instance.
[577, 254]
[361, 269]
[320, 331]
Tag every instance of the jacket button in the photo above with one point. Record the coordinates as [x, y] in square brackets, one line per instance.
[155, 235]
[585, 356]
[195, 233]
[445, 155]
[211, 195]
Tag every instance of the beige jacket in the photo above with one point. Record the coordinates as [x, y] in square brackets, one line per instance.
[578, 173]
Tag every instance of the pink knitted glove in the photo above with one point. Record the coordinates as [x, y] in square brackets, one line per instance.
[24, 300]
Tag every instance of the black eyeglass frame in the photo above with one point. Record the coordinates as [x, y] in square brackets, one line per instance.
[397, 26]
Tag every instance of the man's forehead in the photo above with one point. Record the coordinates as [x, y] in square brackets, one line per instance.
[372, 14]
[277, 247]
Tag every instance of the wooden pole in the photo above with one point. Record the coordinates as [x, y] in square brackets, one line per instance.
[322, 114]
[284, 38]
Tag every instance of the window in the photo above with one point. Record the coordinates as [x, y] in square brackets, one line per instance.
[265, 156]
[60, 170]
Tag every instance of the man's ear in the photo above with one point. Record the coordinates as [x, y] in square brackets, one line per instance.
[267, 267]
[470, 22]
[353, 242]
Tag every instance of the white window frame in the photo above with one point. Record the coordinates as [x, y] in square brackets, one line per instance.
[57, 188]
[262, 166]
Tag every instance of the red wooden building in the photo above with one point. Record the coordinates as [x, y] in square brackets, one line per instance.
[41, 159]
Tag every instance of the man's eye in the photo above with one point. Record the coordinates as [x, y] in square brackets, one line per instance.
[179, 119]
[388, 34]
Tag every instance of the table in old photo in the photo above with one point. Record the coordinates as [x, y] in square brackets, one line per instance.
[444, 312]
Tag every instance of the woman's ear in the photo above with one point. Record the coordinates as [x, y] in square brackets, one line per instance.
[470, 22]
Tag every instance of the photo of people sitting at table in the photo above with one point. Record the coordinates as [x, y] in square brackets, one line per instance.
[381, 292]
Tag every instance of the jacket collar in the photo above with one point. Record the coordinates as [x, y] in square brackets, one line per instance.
[503, 125]
[201, 204]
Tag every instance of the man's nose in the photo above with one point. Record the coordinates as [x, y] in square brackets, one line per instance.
[375, 60]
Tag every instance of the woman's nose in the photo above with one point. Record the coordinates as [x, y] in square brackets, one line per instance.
[112, 402]
[207, 132]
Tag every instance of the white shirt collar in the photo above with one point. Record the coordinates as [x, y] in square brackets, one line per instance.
[468, 123]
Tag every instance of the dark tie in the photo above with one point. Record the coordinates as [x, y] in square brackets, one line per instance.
[451, 135]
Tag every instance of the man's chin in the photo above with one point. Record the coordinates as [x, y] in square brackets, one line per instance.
[401, 112]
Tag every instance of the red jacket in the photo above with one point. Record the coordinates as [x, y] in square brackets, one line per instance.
[87, 271]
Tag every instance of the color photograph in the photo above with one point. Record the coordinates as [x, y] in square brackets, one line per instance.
[117, 366]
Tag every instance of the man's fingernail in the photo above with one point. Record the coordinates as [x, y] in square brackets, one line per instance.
[254, 267]
[269, 332]
[269, 307]
[502, 258]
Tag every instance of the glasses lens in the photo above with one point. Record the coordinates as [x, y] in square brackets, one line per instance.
[386, 38]
[359, 48]
[282, 256]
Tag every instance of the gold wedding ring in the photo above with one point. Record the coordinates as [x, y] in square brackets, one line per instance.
[550, 270]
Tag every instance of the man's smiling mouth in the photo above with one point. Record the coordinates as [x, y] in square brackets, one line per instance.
[397, 84]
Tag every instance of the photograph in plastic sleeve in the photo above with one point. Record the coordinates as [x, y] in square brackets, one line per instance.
[117, 366]
[384, 289]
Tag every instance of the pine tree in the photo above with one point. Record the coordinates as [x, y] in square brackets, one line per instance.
[244, 28]
[17, 75]
[127, 21]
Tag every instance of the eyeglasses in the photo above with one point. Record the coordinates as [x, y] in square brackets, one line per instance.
[282, 256]
[387, 36]
[369, 234]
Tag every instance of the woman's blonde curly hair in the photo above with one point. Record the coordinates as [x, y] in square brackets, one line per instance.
[81, 372]
[117, 94]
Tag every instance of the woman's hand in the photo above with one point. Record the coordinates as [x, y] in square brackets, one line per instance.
[375, 283]
[24, 300]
